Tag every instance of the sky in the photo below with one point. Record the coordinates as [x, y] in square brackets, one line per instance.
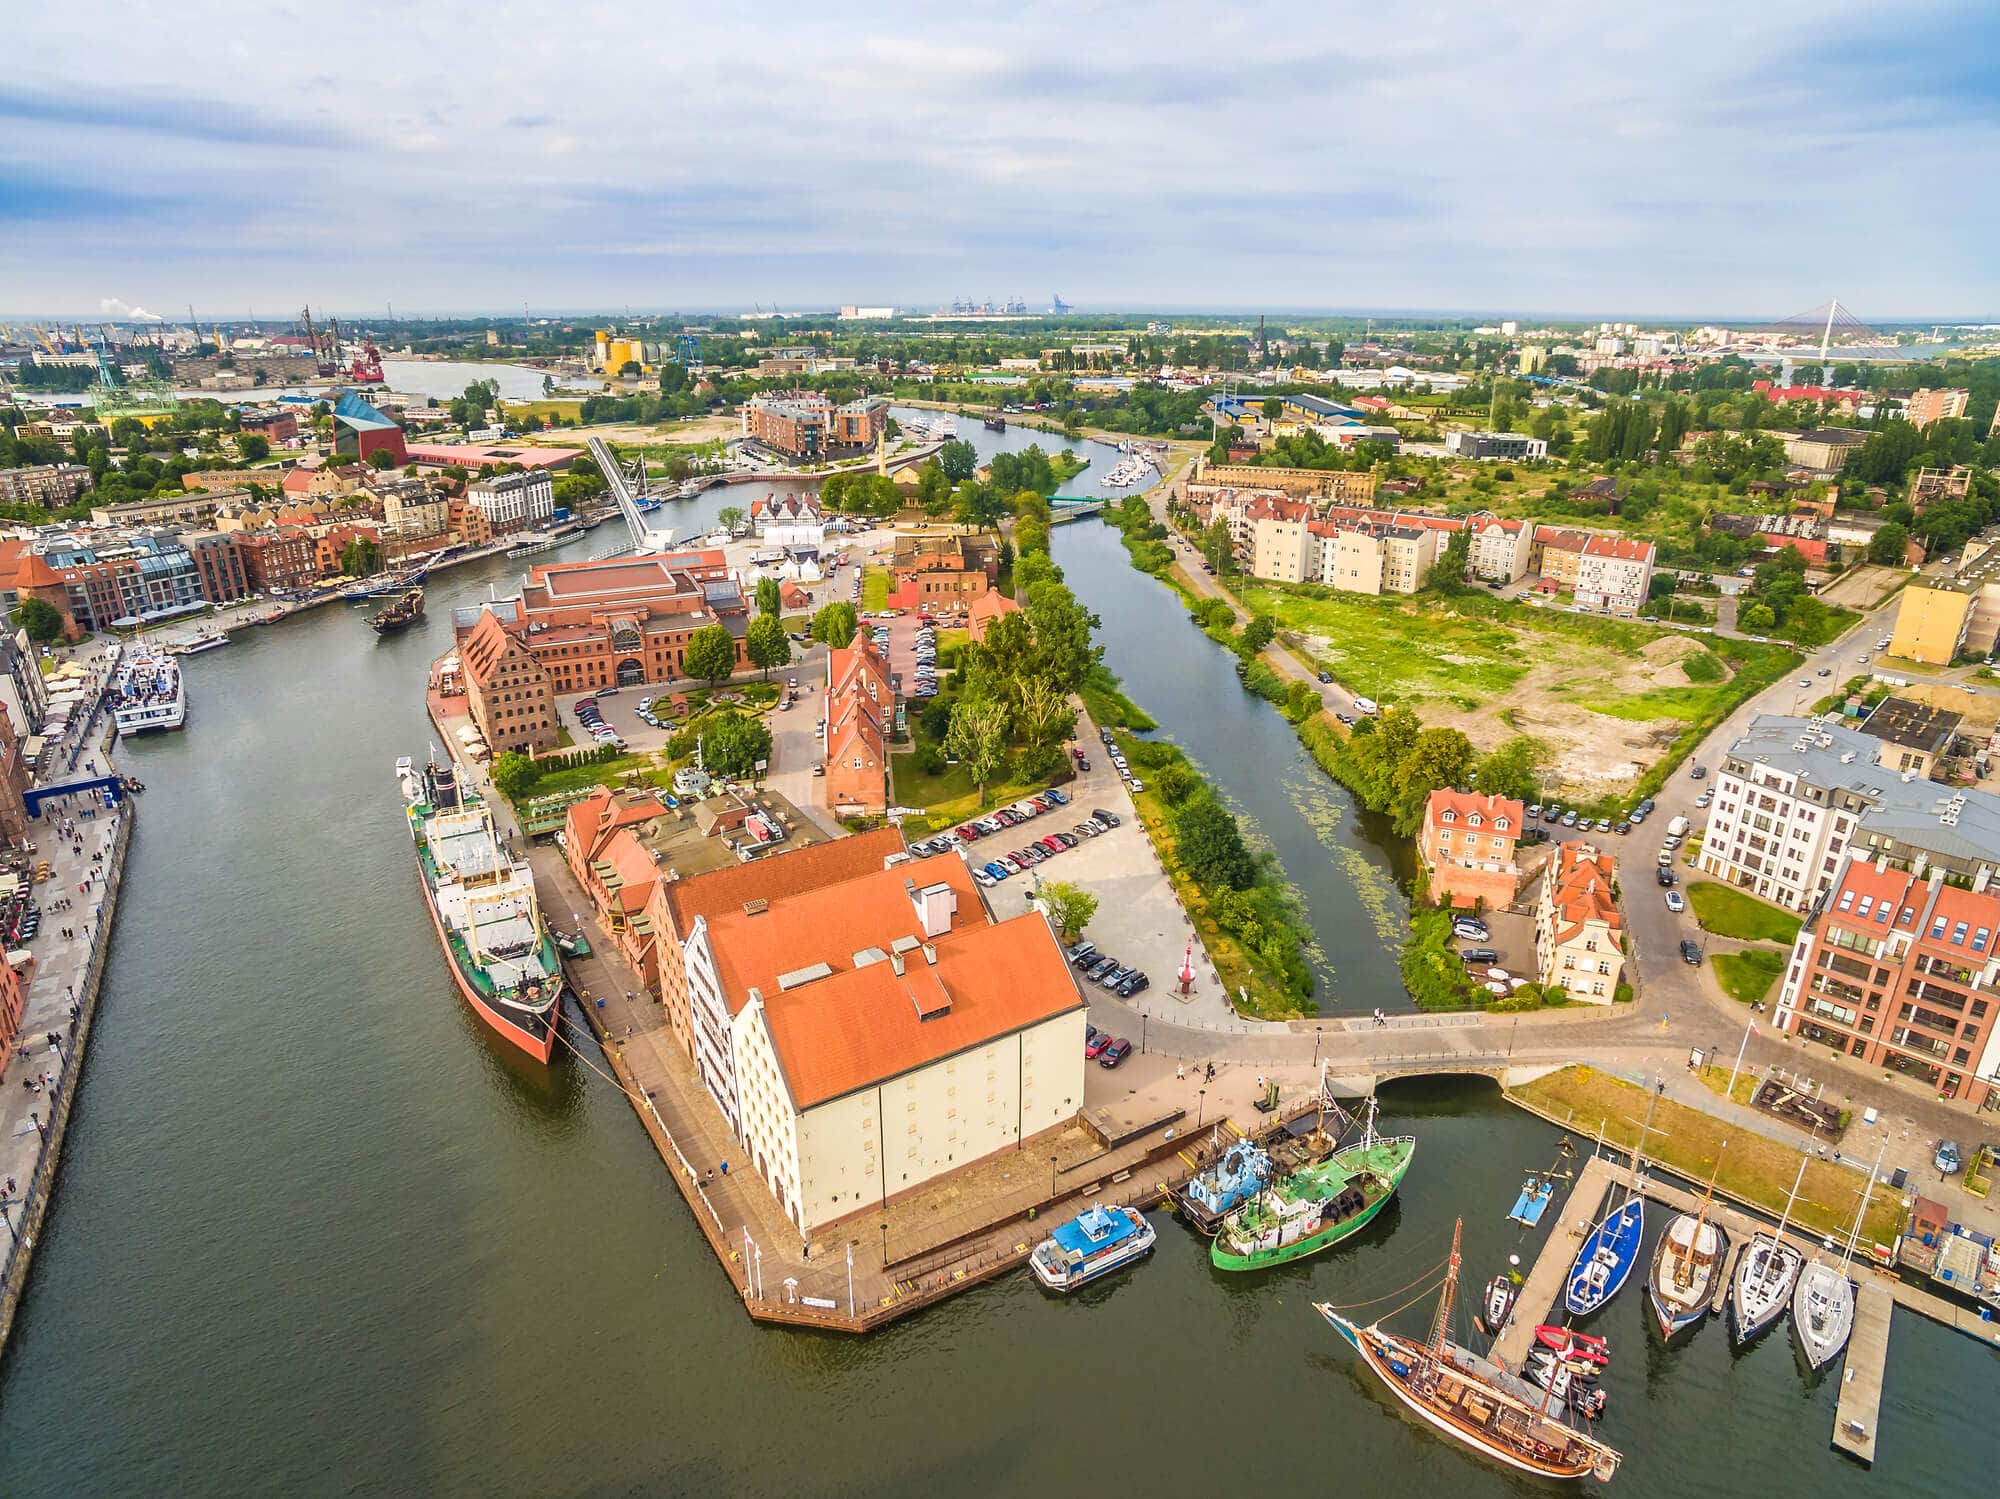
[1694, 160]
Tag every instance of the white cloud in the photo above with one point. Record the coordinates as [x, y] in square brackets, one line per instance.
[125, 312]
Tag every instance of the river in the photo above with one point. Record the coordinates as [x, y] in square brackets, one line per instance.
[319, 1234]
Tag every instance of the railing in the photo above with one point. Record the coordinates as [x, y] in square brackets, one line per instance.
[42, 1177]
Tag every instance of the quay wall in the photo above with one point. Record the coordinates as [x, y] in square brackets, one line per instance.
[41, 1187]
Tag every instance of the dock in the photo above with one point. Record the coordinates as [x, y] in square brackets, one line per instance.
[1544, 1286]
[1861, 1381]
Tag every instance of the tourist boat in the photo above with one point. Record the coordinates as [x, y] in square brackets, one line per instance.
[1094, 1243]
[147, 692]
[1225, 1184]
[1686, 1262]
[209, 641]
[400, 615]
[1823, 1299]
[1316, 1206]
[1471, 1400]
[483, 905]
[1765, 1274]
[543, 541]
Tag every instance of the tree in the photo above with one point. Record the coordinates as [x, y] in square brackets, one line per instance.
[767, 643]
[933, 489]
[1062, 630]
[1515, 768]
[1887, 545]
[1448, 575]
[514, 775]
[711, 654]
[252, 447]
[976, 506]
[361, 557]
[770, 599]
[629, 370]
[1219, 547]
[380, 459]
[729, 517]
[1274, 408]
[1211, 845]
[834, 625]
[1044, 711]
[733, 743]
[1757, 619]
[959, 459]
[1259, 633]
[1069, 908]
[41, 619]
[978, 736]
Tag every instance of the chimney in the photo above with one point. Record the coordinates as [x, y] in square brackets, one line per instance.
[935, 905]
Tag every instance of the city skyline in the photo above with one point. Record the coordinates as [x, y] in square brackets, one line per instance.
[1428, 161]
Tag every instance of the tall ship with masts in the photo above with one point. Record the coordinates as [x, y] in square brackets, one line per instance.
[1471, 1399]
[502, 955]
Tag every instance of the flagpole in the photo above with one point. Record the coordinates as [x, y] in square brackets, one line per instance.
[1741, 1048]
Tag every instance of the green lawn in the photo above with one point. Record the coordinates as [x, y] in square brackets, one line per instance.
[874, 589]
[1748, 976]
[1729, 912]
[1397, 647]
[605, 773]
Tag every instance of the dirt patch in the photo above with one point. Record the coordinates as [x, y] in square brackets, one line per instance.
[1594, 755]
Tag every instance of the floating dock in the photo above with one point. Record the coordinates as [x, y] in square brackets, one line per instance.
[1861, 1381]
[1543, 1289]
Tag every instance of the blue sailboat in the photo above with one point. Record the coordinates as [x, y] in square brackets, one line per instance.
[1539, 1190]
[1605, 1259]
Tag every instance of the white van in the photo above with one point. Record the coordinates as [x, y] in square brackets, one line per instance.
[1678, 828]
[1366, 705]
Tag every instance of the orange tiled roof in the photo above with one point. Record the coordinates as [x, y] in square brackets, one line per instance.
[780, 876]
[1465, 805]
[1582, 890]
[864, 1025]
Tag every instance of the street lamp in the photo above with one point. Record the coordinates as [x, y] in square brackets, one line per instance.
[1142, 1032]
[1201, 1103]
[885, 1248]
[1052, 1178]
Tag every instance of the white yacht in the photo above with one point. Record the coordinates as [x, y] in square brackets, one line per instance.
[147, 692]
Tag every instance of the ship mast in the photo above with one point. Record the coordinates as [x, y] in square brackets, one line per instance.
[1854, 1234]
[1447, 1295]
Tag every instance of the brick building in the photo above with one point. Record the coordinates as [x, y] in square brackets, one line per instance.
[860, 710]
[278, 559]
[942, 566]
[218, 559]
[509, 694]
[1467, 844]
[50, 485]
[804, 424]
[1899, 971]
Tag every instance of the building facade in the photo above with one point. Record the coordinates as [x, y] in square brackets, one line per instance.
[50, 485]
[1500, 549]
[860, 712]
[512, 503]
[1513, 447]
[511, 700]
[1901, 972]
[804, 424]
[1467, 843]
[1927, 406]
[1579, 933]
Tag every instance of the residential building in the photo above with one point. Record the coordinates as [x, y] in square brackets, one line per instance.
[1336, 485]
[1579, 932]
[606, 845]
[1615, 573]
[1915, 736]
[100, 580]
[1940, 619]
[1358, 551]
[193, 509]
[1898, 970]
[1793, 795]
[1927, 406]
[50, 485]
[987, 607]
[872, 1033]
[618, 621]
[804, 424]
[278, 559]
[1824, 450]
[510, 697]
[1501, 549]
[1513, 447]
[360, 431]
[1378, 557]
[411, 509]
[515, 502]
[15, 773]
[24, 691]
[274, 424]
[1467, 843]
[767, 511]
[218, 559]
[860, 713]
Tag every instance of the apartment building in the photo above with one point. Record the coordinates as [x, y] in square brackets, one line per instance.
[1377, 557]
[804, 424]
[278, 559]
[608, 843]
[1467, 842]
[50, 485]
[1604, 572]
[1927, 406]
[1579, 931]
[512, 503]
[1900, 971]
[1940, 619]
[411, 509]
[1501, 549]
[1795, 795]
[102, 580]
[1514, 447]
[1332, 486]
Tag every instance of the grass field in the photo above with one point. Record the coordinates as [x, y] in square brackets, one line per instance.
[1748, 976]
[874, 589]
[1729, 912]
[1754, 1168]
[1396, 648]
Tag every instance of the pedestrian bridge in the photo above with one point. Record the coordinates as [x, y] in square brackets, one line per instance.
[112, 788]
[627, 489]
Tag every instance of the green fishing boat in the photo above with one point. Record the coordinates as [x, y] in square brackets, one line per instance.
[1316, 1206]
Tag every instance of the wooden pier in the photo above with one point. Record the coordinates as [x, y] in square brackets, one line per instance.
[1861, 1381]
[1544, 1286]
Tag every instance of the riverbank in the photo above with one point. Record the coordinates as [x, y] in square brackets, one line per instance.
[62, 1002]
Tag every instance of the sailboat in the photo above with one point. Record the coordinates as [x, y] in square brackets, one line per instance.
[1766, 1273]
[1685, 1263]
[1605, 1259]
[1472, 1400]
[1823, 1300]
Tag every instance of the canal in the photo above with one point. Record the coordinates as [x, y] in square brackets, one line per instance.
[319, 1235]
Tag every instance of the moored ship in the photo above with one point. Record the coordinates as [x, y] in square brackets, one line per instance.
[147, 692]
[1316, 1206]
[1096, 1242]
[400, 615]
[502, 955]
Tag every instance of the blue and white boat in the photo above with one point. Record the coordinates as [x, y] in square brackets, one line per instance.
[1605, 1260]
[1218, 1189]
[1095, 1242]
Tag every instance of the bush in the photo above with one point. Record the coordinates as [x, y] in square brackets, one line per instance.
[935, 718]
[1174, 784]
[1039, 762]
[929, 759]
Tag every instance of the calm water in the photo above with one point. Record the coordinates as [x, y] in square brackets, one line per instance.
[320, 1236]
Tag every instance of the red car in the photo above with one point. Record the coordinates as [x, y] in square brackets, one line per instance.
[1115, 1053]
[1098, 1044]
[1052, 843]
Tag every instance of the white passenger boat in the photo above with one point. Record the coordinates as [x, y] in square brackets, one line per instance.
[147, 692]
[1094, 1243]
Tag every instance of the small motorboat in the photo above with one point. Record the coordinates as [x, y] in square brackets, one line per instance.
[1570, 1343]
[1501, 1293]
[1575, 1386]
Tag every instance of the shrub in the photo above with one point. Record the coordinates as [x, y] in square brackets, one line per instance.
[929, 760]
[1039, 762]
[1174, 784]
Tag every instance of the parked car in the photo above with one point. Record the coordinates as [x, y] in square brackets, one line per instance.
[1665, 876]
[1116, 977]
[1534, 809]
[1346, 718]
[1097, 1045]
[1675, 902]
[1470, 931]
[1947, 1159]
[1326, 677]
[1133, 983]
[1621, 829]
[1087, 960]
[1569, 819]
[1690, 953]
[1109, 819]
[1098, 969]
[1474, 956]
[1552, 813]
[997, 870]
[1115, 1053]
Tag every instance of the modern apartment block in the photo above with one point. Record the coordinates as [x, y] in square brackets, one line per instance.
[1927, 406]
[1899, 970]
[1515, 447]
[50, 485]
[513, 502]
[1795, 795]
[806, 425]
[1940, 619]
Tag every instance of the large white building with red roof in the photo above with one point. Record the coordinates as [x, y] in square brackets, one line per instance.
[1579, 931]
[865, 1024]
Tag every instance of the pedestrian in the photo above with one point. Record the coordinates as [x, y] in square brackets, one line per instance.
[725, 1168]
[1180, 1072]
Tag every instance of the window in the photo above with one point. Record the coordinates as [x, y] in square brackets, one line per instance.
[1958, 934]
